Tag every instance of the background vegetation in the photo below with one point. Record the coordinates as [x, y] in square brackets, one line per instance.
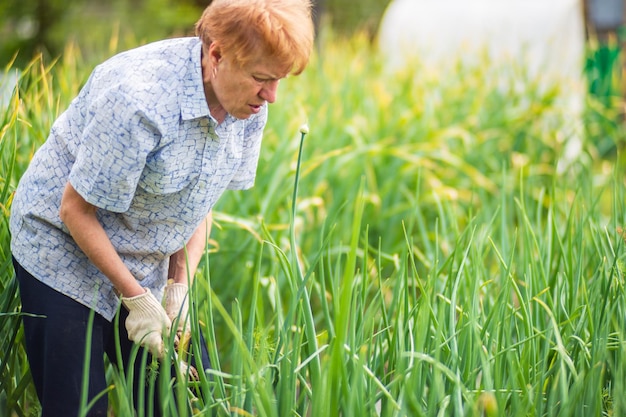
[442, 258]
[46, 26]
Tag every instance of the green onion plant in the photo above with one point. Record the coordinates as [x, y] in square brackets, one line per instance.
[428, 255]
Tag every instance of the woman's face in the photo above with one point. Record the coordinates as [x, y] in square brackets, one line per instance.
[241, 91]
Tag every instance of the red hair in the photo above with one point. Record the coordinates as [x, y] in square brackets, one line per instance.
[282, 29]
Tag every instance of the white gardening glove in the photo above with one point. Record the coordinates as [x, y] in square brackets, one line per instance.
[177, 306]
[177, 309]
[147, 322]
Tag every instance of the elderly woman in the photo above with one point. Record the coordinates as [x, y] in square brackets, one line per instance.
[116, 204]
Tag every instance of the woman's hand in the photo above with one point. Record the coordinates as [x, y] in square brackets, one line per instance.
[177, 306]
[147, 322]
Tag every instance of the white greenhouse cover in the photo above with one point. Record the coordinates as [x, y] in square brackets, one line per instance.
[546, 36]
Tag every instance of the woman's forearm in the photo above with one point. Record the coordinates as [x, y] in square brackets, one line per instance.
[183, 264]
[80, 218]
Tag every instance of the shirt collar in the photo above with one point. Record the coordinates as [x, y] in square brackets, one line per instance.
[193, 101]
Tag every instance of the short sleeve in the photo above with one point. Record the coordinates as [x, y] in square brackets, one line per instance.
[253, 135]
[115, 142]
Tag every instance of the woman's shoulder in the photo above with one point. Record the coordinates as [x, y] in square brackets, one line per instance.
[161, 63]
[148, 77]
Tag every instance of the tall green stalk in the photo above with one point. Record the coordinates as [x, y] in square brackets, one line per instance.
[303, 298]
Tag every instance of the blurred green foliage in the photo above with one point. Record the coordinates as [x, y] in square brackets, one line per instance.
[28, 27]
[47, 26]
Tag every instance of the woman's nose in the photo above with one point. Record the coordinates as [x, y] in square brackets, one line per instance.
[269, 91]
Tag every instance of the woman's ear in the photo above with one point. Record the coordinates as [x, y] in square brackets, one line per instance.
[215, 53]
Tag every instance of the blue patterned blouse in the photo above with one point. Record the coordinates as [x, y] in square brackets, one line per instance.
[139, 143]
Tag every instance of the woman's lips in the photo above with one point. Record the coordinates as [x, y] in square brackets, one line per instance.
[255, 108]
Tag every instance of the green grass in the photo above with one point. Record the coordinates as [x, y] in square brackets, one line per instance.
[439, 259]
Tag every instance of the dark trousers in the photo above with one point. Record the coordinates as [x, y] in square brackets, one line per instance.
[56, 338]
